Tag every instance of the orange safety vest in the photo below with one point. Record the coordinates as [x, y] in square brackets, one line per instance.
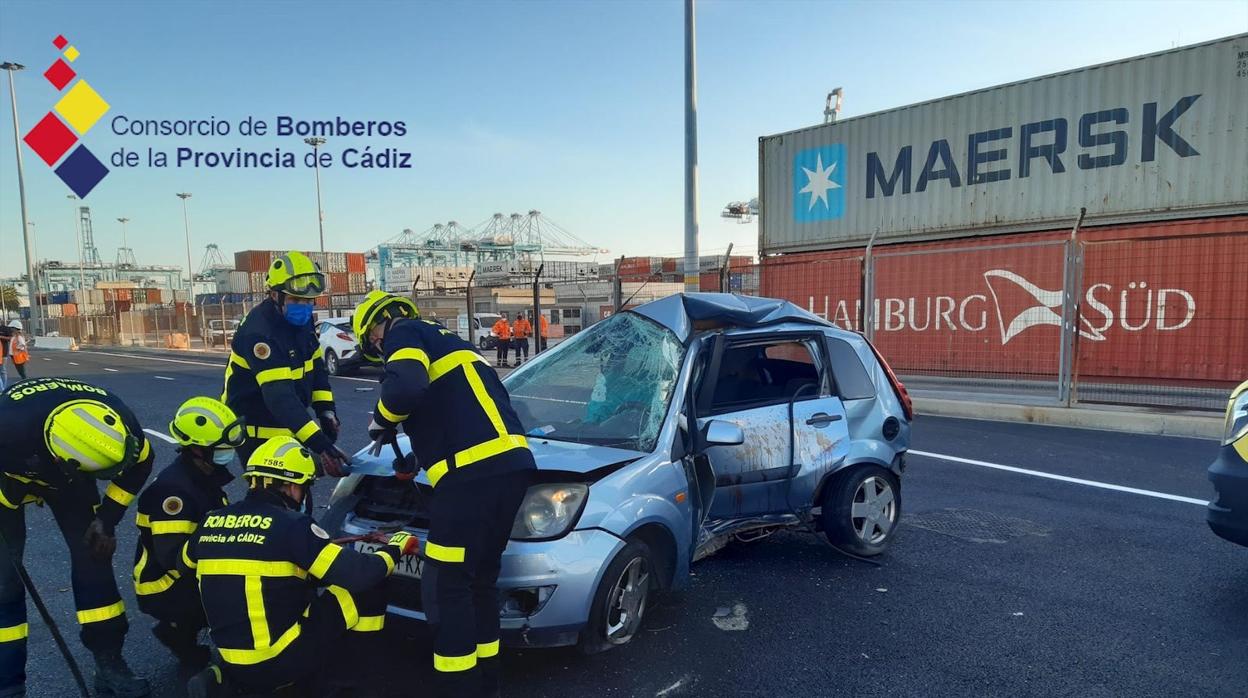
[543, 323]
[501, 329]
[522, 329]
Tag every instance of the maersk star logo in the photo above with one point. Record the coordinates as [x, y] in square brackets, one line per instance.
[819, 184]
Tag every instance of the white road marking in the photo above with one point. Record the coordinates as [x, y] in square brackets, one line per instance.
[161, 435]
[1063, 478]
[201, 363]
[162, 378]
[45, 358]
[679, 682]
[73, 363]
[110, 370]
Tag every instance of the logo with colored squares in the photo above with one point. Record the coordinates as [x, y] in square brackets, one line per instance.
[80, 107]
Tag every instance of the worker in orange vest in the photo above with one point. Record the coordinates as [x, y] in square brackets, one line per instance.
[542, 340]
[520, 331]
[502, 333]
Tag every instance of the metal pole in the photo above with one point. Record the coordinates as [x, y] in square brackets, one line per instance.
[33, 284]
[537, 308]
[617, 287]
[723, 270]
[868, 290]
[82, 277]
[316, 144]
[691, 152]
[190, 273]
[472, 323]
[1071, 280]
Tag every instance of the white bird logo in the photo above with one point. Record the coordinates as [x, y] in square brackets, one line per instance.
[1045, 312]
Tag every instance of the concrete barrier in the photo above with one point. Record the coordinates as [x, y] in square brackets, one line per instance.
[1133, 421]
[56, 343]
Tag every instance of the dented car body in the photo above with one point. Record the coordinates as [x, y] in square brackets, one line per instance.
[661, 434]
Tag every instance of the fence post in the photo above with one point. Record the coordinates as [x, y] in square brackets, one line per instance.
[723, 271]
[158, 327]
[537, 308]
[472, 322]
[617, 290]
[1071, 287]
[868, 289]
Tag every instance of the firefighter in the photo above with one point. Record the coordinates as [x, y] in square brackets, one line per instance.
[466, 435]
[61, 436]
[520, 332]
[168, 513]
[502, 333]
[260, 563]
[276, 370]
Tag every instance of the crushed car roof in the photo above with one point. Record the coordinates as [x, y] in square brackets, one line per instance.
[686, 313]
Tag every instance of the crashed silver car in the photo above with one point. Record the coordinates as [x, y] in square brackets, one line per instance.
[661, 434]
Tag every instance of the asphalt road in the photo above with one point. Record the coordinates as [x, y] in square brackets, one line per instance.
[1000, 583]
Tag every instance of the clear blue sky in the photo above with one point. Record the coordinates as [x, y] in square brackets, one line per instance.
[574, 108]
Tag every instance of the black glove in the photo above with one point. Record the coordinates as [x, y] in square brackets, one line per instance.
[100, 541]
[329, 424]
[380, 436]
[334, 462]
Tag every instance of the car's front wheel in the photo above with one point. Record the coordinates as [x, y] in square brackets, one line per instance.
[331, 362]
[861, 510]
[620, 601]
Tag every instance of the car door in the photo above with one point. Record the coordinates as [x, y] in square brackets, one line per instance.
[756, 381]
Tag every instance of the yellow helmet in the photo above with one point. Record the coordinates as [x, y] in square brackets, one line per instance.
[90, 437]
[204, 421]
[379, 306]
[296, 275]
[282, 458]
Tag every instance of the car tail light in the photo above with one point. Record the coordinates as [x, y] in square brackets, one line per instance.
[899, 388]
[345, 337]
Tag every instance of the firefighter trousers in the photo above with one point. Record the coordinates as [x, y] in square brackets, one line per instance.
[101, 614]
[339, 631]
[469, 527]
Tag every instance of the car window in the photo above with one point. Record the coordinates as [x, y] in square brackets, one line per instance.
[852, 380]
[610, 385]
[766, 373]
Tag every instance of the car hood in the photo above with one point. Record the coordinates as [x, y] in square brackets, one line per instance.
[562, 456]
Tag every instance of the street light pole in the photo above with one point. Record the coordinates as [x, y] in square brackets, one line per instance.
[691, 151]
[316, 142]
[35, 315]
[190, 272]
[82, 275]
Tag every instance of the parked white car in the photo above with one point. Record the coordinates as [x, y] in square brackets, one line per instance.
[339, 346]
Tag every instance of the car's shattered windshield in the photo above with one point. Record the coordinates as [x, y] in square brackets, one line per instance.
[609, 385]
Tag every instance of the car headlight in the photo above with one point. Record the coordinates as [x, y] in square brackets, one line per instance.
[1236, 419]
[548, 511]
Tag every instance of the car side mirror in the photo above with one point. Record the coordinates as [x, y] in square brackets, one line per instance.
[721, 433]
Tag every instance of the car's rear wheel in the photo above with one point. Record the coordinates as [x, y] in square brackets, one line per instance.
[331, 362]
[621, 599]
[861, 510]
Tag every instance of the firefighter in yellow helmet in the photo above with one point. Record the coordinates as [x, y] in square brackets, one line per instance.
[260, 564]
[61, 437]
[276, 372]
[169, 511]
[466, 435]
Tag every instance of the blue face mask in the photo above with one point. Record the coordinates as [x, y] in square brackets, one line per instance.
[298, 314]
[223, 456]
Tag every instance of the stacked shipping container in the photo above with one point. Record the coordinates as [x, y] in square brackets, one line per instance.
[1154, 148]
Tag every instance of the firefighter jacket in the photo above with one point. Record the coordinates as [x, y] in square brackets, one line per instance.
[168, 513]
[259, 564]
[275, 373]
[28, 468]
[450, 402]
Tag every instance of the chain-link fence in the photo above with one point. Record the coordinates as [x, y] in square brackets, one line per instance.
[1160, 321]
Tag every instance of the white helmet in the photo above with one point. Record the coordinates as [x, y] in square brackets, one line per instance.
[15, 324]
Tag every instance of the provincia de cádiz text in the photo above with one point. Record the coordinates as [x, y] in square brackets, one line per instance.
[289, 151]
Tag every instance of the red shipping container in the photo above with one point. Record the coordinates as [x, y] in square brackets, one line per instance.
[68, 309]
[1160, 301]
[339, 282]
[709, 281]
[355, 263]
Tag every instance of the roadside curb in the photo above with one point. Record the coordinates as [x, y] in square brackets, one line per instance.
[1135, 422]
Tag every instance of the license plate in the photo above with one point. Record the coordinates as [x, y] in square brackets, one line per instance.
[408, 566]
